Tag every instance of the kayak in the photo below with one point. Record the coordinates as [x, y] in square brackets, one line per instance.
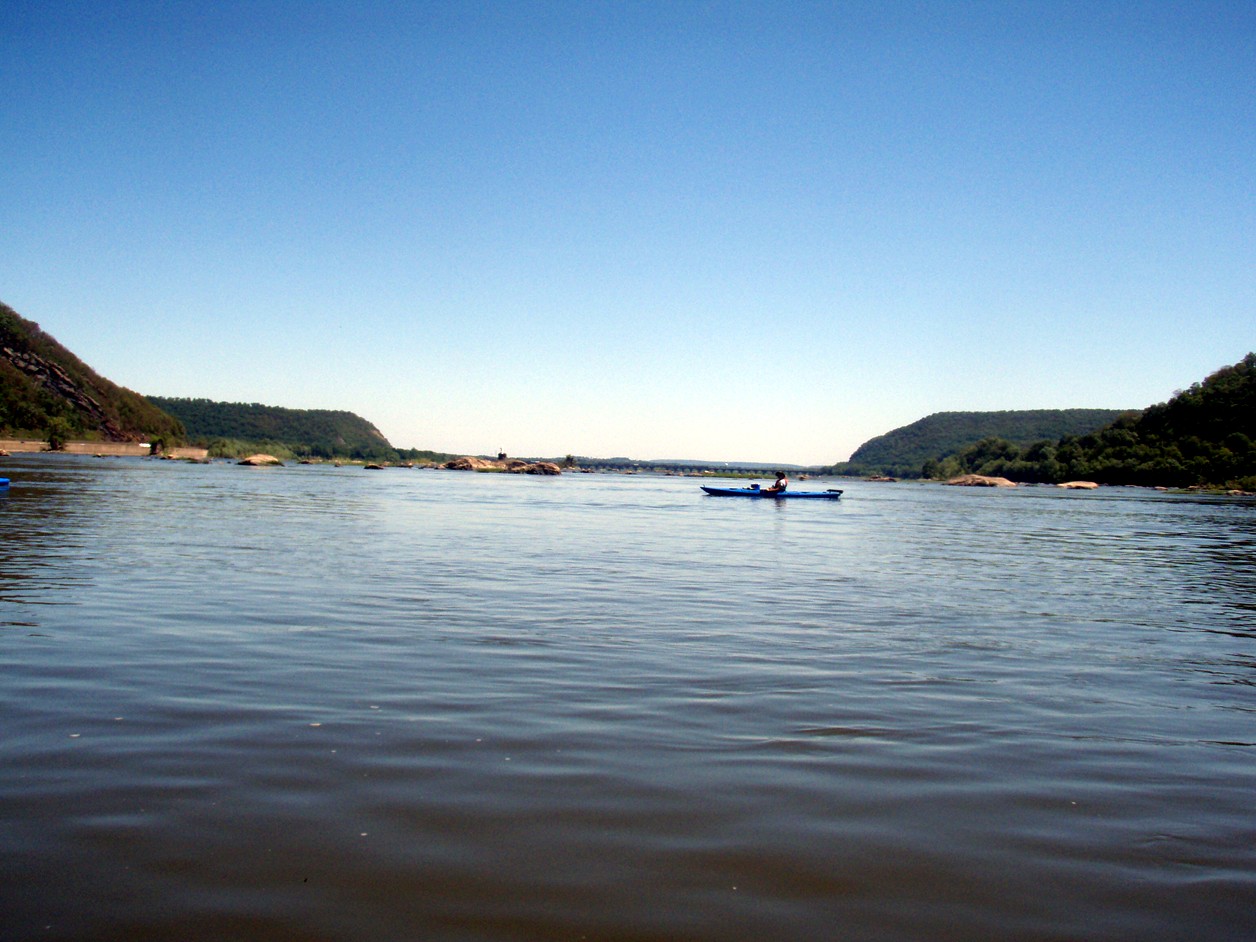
[754, 491]
[4, 484]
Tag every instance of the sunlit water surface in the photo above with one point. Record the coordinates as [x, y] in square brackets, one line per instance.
[311, 703]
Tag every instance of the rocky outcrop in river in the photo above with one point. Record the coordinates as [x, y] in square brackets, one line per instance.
[509, 465]
[980, 480]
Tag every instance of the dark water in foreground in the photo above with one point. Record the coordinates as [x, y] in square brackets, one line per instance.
[330, 704]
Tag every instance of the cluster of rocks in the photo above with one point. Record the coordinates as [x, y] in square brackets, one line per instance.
[469, 464]
[510, 465]
[981, 480]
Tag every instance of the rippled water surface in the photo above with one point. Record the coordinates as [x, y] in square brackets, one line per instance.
[312, 703]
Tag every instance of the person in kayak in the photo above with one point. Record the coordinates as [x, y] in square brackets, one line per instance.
[782, 482]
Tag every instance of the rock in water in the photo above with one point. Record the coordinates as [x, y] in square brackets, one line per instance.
[260, 460]
[980, 480]
[468, 464]
[541, 467]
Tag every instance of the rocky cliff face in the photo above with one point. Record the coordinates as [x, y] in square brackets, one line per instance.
[43, 386]
[58, 382]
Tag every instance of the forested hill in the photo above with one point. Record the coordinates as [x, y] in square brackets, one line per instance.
[1205, 436]
[315, 433]
[48, 393]
[903, 451]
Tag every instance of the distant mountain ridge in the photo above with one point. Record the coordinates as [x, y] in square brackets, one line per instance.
[903, 451]
[46, 392]
[313, 433]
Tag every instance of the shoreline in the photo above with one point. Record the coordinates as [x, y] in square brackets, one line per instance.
[27, 446]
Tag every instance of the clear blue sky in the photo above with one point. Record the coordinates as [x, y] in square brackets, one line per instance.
[762, 231]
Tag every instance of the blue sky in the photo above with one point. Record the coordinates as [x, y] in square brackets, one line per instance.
[757, 231]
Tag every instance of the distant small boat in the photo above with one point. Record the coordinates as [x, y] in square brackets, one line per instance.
[755, 491]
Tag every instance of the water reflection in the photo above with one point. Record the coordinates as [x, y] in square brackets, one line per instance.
[319, 703]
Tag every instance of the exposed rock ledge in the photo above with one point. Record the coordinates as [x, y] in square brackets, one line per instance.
[980, 480]
[1079, 485]
[58, 382]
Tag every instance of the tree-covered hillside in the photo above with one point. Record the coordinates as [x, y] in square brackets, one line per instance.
[1203, 436]
[903, 451]
[48, 393]
[315, 433]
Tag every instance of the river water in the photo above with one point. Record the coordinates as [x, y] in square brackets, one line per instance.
[311, 703]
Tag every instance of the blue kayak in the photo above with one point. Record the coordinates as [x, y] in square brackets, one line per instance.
[754, 491]
[4, 484]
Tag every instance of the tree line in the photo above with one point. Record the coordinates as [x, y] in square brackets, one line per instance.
[1203, 436]
[903, 451]
[229, 428]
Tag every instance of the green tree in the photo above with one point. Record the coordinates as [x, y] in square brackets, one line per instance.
[59, 431]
